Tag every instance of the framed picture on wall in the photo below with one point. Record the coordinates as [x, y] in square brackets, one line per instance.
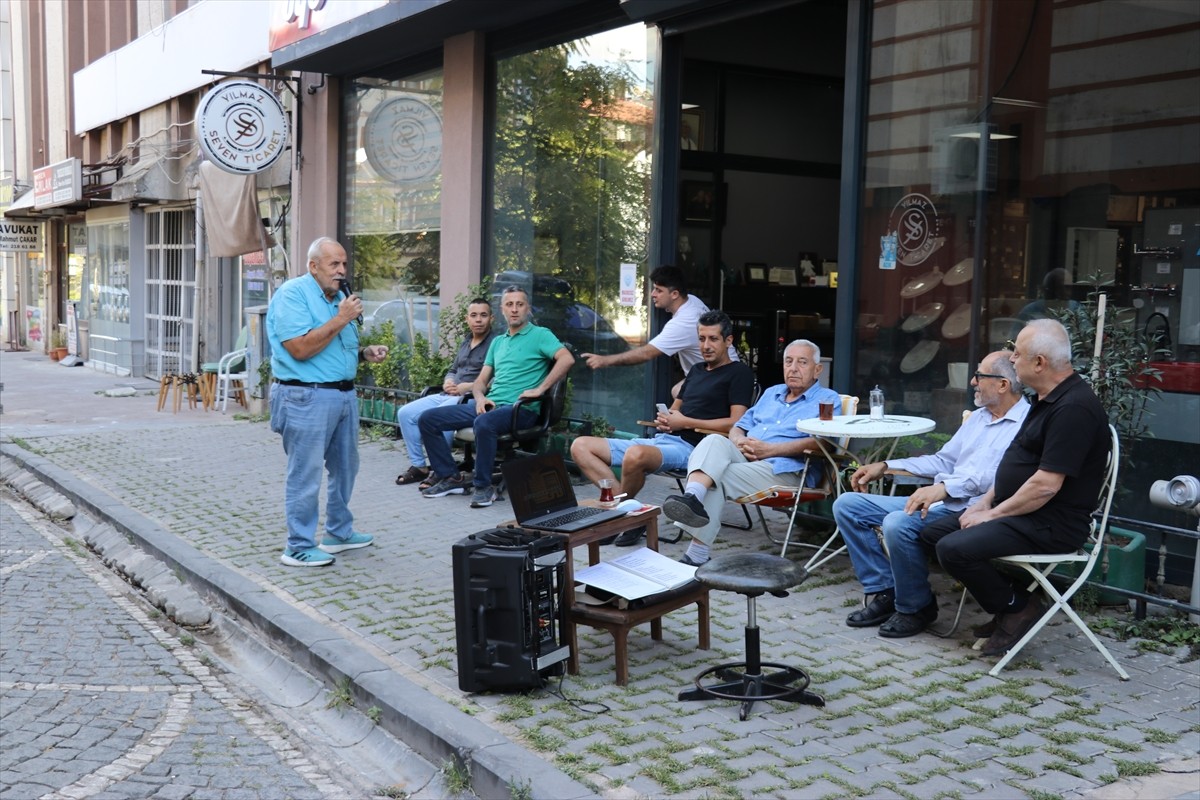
[699, 201]
[756, 272]
[691, 129]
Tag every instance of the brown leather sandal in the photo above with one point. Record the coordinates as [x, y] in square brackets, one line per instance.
[413, 475]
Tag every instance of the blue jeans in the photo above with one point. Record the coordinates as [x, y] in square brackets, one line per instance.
[908, 570]
[320, 431]
[407, 416]
[488, 427]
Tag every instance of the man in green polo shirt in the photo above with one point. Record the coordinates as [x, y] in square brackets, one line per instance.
[523, 363]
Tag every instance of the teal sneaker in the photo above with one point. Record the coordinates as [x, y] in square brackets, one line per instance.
[356, 540]
[309, 557]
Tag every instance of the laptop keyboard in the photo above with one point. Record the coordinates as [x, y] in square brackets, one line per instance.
[570, 516]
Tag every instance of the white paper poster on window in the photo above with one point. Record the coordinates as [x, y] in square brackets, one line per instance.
[629, 288]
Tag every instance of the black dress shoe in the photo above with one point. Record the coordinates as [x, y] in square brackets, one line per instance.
[630, 538]
[882, 606]
[1011, 627]
[685, 509]
[985, 630]
[902, 625]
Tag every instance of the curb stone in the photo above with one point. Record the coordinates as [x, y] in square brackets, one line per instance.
[432, 727]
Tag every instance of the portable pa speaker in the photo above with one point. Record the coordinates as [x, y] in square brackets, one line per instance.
[507, 590]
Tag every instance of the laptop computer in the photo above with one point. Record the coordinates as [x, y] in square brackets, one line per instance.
[542, 497]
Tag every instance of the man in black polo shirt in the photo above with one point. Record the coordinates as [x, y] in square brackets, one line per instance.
[1045, 490]
[712, 397]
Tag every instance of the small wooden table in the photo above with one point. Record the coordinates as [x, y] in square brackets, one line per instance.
[618, 621]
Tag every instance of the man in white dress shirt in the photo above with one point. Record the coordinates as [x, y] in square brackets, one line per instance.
[902, 601]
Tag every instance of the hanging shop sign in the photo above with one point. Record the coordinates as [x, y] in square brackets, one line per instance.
[58, 184]
[403, 140]
[243, 127]
[20, 237]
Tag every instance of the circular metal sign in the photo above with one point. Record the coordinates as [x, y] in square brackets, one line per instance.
[403, 140]
[242, 127]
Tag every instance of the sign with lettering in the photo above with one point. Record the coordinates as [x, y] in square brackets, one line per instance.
[403, 139]
[20, 237]
[58, 184]
[242, 127]
[295, 20]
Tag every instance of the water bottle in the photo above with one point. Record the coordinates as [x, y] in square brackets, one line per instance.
[877, 403]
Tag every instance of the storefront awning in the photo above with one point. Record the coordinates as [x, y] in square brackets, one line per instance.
[401, 30]
[21, 207]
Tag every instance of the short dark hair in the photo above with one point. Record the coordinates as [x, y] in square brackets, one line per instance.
[476, 301]
[717, 317]
[670, 277]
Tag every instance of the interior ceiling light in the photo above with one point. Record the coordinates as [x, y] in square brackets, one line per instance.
[976, 134]
[686, 106]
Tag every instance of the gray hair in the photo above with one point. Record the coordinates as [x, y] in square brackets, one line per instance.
[1003, 366]
[314, 249]
[806, 343]
[1049, 338]
[514, 288]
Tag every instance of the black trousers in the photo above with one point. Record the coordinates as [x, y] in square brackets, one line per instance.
[967, 553]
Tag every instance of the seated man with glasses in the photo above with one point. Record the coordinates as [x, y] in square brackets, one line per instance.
[962, 472]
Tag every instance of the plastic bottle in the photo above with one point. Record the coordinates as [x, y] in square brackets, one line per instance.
[877, 403]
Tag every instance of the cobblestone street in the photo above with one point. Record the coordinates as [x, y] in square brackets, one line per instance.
[99, 700]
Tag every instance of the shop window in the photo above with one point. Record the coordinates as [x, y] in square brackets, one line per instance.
[393, 164]
[572, 156]
[1001, 175]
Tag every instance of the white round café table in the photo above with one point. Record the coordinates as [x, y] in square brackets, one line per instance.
[863, 439]
[875, 438]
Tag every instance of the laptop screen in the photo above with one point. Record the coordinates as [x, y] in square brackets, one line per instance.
[538, 485]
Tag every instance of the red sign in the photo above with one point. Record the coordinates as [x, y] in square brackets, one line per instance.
[294, 20]
[58, 184]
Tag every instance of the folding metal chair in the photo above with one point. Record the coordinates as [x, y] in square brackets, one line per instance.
[1041, 565]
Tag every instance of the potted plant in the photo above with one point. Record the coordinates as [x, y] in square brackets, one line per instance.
[58, 345]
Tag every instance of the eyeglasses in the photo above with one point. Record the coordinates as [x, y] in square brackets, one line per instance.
[979, 375]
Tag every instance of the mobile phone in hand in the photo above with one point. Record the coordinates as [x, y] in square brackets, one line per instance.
[662, 408]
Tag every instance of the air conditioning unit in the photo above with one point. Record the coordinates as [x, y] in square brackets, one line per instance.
[956, 158]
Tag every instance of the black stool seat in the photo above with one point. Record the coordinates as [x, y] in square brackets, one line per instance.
[753, 574]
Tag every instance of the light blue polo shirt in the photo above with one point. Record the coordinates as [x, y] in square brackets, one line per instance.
[298, 307]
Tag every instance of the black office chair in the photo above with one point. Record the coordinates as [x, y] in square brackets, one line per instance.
[519, 439]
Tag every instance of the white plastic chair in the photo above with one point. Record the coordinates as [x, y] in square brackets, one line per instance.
[1041, 565]
[226, 378]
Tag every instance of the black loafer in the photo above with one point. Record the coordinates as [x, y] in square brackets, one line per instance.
[901, 625]
[630, 538]
[881, 607]
[1011, 627]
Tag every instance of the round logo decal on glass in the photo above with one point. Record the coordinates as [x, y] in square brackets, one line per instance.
[915, 221]
[403, 140]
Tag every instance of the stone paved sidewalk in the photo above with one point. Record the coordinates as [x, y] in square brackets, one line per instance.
[916, 718]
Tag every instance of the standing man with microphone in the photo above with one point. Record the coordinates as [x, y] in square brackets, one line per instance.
[314, 357]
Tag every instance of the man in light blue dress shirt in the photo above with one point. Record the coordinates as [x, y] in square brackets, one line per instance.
[902, 602]
[763, 449]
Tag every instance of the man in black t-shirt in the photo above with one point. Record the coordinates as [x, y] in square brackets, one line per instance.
[712, 397]
[1046, 487]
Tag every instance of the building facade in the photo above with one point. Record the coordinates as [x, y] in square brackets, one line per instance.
[904, 182]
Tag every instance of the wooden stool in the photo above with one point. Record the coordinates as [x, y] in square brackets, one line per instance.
[164, 388]
[753, 574]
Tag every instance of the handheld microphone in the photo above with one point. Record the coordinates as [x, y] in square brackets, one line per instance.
[344, 285]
